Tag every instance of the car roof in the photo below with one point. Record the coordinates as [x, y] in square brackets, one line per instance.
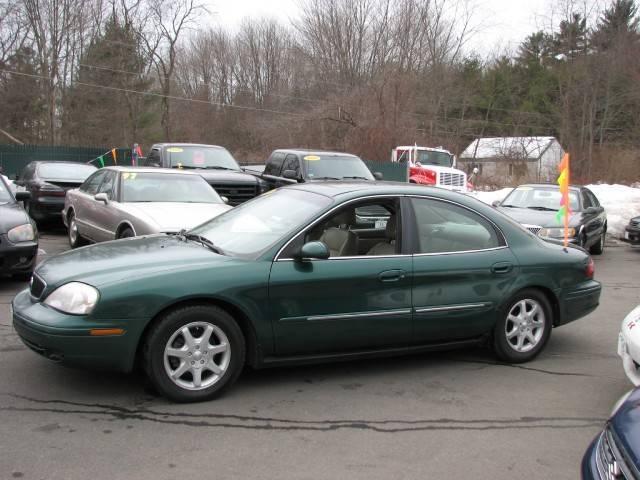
[172, 144]
[306, 151]
[65, 162]
[547, 185]
[363, 188]
[172, 171]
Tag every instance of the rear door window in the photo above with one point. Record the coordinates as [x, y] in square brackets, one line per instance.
[90, 186]
[274, 165]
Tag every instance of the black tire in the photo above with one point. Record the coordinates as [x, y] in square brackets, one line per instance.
[75, 240]
[168, 329]
[598, 247]
[126, 233]
[504, 347]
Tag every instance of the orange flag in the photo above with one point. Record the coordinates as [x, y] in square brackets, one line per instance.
[115, 159]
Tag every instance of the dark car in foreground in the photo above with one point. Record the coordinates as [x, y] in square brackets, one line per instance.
[313, 272]
[632, 231]
[18, 234]
[48, 182]
[536, 206]
[615, 453]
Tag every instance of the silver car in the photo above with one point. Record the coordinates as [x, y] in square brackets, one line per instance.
[119, 202]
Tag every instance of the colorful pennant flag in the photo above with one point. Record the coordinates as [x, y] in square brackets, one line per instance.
[115, 159]
[101, 160]
[563, 182]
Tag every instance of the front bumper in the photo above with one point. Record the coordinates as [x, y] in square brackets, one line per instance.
[67, 339]
[632, 235]
[17, 258]
[579, 301]
[629, 345]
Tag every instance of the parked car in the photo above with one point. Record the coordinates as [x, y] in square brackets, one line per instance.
[301, 274]
[18, 234]
[48, 183]
[629, 345]
[632, 231]
[615, 453]
[536, 207]
[121, 202]
[287, 167]
[216, 165]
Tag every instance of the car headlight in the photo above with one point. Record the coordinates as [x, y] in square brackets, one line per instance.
[556, 232]
[22, 233]
[73, 297]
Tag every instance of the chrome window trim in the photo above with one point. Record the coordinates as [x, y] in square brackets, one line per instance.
[386, 195]
[447, 308]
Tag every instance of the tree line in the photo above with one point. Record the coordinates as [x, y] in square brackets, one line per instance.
[355, 75]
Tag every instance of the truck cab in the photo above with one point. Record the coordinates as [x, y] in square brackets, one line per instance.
[432, 166]
[214, 163]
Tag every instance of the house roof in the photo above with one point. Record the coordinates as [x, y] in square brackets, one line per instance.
[529, 148]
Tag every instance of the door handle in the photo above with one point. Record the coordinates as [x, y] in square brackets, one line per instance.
[391, 275]
[501, 267]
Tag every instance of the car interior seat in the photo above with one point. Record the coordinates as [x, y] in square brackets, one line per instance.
[387, 247]
[338, 237]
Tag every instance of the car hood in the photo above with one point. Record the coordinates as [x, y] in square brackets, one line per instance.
[11, 215]
[527, 216]
[114, 261]
[626, 426]
[173, 217]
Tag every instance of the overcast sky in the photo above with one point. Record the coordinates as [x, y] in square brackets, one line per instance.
[504, 23]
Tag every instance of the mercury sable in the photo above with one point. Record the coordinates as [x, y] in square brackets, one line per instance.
[307, 273]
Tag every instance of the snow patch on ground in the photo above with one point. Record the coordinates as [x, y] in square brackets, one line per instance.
[621, 203]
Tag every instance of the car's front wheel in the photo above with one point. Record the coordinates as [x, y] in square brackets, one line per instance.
[523, 328]
[598, 247]
[194, 352]
[75, 239]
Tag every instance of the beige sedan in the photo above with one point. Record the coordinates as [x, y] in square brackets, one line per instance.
[120, 202]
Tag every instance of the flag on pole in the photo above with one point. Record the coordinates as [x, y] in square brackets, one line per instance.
[564, 211]
[115, 159]
[101, 160]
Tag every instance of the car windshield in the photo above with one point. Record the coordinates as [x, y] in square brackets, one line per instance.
[77, 172]
[5, 196]
[193, 156]
[541, 198]
[426, 157]
[335, 167]
[253, 227]
[166, 187]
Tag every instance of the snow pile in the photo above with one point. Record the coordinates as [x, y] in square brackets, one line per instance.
[619, 201]
[621, 204]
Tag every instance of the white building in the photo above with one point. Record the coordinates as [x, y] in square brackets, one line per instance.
[514, 159]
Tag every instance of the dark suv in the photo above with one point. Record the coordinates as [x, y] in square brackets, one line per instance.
[215, 164]
[48, 182]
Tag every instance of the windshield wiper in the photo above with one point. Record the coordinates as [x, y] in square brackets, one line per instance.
[326, 178]
[508, 206]
[204, 241]
[543, 209]
[356, 177]
[218, 167]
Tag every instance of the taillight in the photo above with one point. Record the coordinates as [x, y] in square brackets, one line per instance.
[590, 269]
[429, 176]
[50, 190]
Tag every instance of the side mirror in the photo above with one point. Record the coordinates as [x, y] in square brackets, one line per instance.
[225, 199]
[290, 174]
[378, 175]
[313, 250]
[496, 203]
[101, 197]
[23, 196]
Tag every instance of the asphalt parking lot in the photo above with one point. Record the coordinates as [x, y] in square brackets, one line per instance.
[447, 415]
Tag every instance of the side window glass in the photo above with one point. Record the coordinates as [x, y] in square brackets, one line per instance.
[154, 158]
[107, 184]
[593, 198]
[586, 201]
[291, 163]
[90, 186]
[444, 227]
[275, 164]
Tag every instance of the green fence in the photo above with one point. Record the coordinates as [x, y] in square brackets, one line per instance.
[13, 158]
[392, 172]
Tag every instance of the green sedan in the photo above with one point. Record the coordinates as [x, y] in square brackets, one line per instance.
[307, 273]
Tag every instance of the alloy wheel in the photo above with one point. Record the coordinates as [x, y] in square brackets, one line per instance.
[525, 325]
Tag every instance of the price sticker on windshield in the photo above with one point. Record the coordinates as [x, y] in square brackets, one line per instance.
[312, 158]
[128, 176]
[174, 150]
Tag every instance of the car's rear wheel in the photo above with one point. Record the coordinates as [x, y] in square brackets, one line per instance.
[524, 327]
[75, 239]
[126, 233]
[193, 353]
[598, 248]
